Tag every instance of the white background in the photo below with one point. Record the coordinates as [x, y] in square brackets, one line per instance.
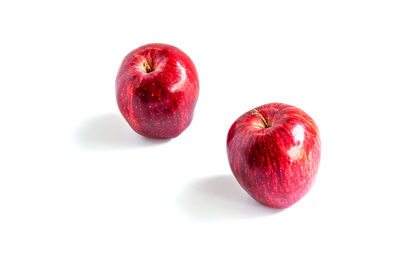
[79, 188]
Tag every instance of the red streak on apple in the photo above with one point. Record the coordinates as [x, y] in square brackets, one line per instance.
[157, 88]
[274, 153]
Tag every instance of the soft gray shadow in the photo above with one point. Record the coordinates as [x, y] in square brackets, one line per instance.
[110, 132]
[220, 197]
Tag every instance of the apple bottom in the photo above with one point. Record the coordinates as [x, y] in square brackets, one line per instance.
[155, 124]
[276, 199]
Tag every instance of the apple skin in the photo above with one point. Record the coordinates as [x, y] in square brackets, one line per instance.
[276, 165]
[157, 88]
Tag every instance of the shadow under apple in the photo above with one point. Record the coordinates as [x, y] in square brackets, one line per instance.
[220, 197]
[110, 132]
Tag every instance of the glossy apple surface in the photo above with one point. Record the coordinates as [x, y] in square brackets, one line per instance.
[157, 87]
[274, 153]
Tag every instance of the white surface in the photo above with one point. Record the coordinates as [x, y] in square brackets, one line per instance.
[79, 188]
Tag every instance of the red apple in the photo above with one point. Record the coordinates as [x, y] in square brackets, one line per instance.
[274, 153]
[157, 89]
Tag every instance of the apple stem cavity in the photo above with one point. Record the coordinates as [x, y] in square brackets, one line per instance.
[255, 112]
[147, 67]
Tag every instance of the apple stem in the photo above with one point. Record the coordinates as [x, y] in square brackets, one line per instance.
[255, 112]
[147, 67]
